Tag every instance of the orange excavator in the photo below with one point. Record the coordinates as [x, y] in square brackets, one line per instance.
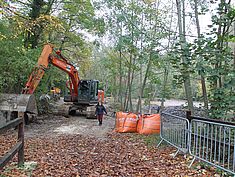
[82, 93]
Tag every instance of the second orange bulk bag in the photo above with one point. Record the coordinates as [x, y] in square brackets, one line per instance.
[126, 122]
[149, 124]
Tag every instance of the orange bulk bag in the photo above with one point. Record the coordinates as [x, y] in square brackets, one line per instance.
[126, 122]
[149, 124]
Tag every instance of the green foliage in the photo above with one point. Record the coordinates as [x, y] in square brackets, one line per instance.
[137, 29]
[15, 62]
[21, 27]
[221, 71]
[210, 57]
[136, 53]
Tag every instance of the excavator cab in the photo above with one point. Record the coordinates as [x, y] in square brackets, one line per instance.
[88, 92]
[87, 96]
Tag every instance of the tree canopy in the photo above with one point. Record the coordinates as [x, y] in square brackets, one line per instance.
[140, 51]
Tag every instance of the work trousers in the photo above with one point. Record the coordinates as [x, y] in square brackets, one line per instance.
[100, 118]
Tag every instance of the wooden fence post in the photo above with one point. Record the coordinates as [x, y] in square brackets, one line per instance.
[21, 139]
[188, 115]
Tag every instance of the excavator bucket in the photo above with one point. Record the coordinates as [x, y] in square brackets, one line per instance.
[18, 102]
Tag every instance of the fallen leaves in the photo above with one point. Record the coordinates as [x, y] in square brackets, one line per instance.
[7, 141]
[117, 155]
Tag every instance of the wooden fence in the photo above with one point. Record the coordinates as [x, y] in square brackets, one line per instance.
[19, 146]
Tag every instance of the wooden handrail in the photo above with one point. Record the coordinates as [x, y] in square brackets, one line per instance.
[19, 146]
[10, 124]
[9, 155]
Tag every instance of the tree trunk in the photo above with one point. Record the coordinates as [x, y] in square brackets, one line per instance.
[185, 73]
[131, 69]
[139, 103]
[127, 88]
[32, 37]
[164, 87]
[120, 79]
[145, 79]
[115, 83]
[234, 46]
[166, 70]
[203, 82]
[129, 85]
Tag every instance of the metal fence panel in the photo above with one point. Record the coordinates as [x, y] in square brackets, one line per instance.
[213, 143]
[174, 130]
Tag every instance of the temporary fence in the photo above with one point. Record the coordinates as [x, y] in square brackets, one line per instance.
[174, 130]
[209, 140]
[213, 142]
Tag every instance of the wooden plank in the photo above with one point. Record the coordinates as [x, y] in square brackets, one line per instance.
[21, 139]
[11, 124]
[9, 155]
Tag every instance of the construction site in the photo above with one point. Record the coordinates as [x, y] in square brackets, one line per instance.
[103, 88]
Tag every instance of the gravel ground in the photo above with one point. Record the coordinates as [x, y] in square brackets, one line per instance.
[52, 125]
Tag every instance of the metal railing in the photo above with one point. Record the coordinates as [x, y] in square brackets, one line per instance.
[174, 130]
[19, 146]
[212, 141]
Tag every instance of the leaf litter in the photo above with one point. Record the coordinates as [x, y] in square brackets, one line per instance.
[86, 154]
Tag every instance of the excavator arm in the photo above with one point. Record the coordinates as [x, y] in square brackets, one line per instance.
[60, 62]
[83, 93]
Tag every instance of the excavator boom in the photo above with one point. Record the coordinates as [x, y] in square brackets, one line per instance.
[38, 70]
[57, 60]
[83, 93]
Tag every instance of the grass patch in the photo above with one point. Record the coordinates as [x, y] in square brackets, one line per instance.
[151, 140]
[14, 170]
[200, 165]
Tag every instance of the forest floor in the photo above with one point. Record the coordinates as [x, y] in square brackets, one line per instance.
[76, 146]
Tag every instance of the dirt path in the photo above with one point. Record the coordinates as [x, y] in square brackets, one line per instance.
[76, 146]
[59, 123]
[52, 125]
